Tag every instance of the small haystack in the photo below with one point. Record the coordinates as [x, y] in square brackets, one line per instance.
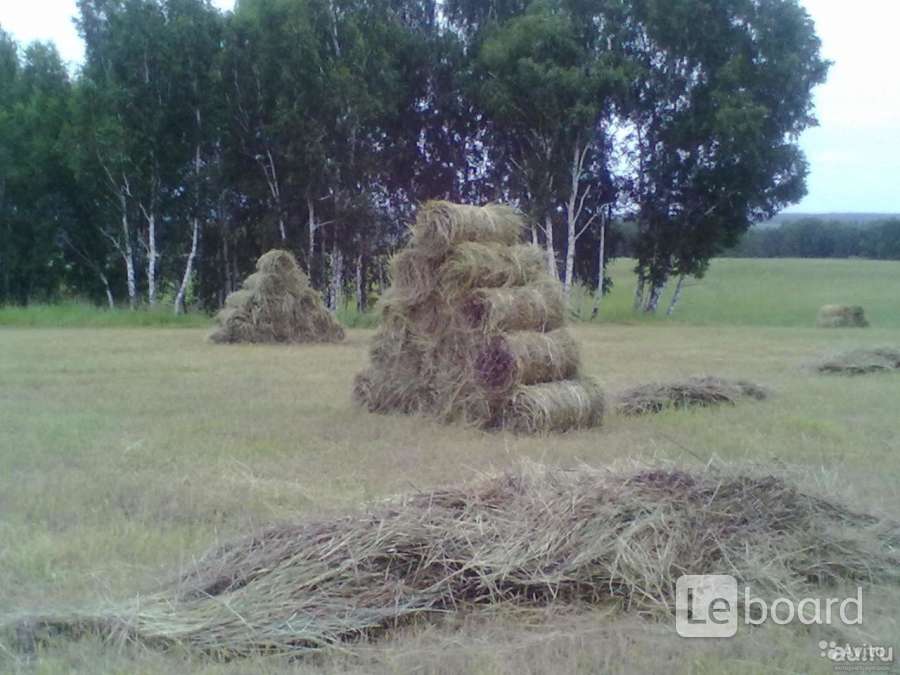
[861, 361]
[276, 304]
[473, 330]
[841, 316]
[691, 392]
[532, 536]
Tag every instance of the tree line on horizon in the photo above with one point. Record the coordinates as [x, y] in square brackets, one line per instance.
[192, 140]
[812, 237]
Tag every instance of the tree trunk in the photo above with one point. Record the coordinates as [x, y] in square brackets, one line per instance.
[337, 278]
[108, 290]
[152, 255]
[656, 292]
[188, 268]
[360, 287]
[128, 254]
[534, 234]
[676, 296]
[639, 292]
[311, 216]
[601, 271]
[551, 252]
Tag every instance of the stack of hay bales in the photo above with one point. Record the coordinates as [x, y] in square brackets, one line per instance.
[276, 304]
[841, 316]
[472, 330]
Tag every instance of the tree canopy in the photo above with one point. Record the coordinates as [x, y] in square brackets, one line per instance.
[192, 140]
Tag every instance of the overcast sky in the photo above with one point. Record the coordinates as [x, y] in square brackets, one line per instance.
[854, 154]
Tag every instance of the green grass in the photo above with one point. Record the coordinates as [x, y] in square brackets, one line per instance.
[735, 291]
[126, 453]
[763, 292]
[84, 315]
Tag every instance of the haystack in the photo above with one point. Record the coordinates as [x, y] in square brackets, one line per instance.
[690, 392]
[861, 361]
[841, 316]
[276, 304]
[533, 536]
[473, 330]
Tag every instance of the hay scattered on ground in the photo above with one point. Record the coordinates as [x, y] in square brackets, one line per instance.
[693, 391]
[861, 361]
[276, 304]
[841, 316]
[532, 536]
[472, 330]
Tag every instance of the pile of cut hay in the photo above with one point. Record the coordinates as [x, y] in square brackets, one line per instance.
[276, 304]
[691, 392]
[533, 536]
[841, 316]
[472, 330]
[861, 361]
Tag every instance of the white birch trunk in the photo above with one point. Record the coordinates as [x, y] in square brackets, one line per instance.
[128, 254]
[109, 296]
[676, 296]
[551, 252]
[188, 268]
[337, 276]
[639, 292]
[152, 256]
[360, 300]
[311, 217]
[653, 299]
[601, 271]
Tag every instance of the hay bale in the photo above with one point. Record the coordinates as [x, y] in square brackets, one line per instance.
[861, 361]
[539, 307]
[441, 224]
[691, 392]
[532, 536]
[476, 265]
[841, 316]
[555, 406]
[471, 318]
[276, 304]
[526, 357]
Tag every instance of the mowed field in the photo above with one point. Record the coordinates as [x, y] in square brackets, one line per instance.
[127, 452]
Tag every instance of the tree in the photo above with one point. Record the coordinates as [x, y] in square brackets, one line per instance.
[553, 97]
[723, 89]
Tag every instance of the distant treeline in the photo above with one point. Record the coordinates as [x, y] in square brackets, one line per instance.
[822, 238]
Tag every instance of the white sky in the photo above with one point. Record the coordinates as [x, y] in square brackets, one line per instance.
[854, 154]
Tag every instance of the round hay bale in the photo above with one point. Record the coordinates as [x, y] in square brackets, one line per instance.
[841, 316]
[479, 265]
[539, 307]
[526, 357]
[441, 224]
[555, 406]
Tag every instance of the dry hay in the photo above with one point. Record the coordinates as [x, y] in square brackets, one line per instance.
[693, 391]
[533, 536]
[473, 330]
[861, 361]
[276, 304]
[841, 316]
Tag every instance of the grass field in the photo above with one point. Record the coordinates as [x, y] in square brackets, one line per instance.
[126, 453]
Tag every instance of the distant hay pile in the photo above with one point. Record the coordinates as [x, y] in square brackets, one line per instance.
[841, 316]
[691, 392]
[861, 361]
[472, 330]
[276, 304]
[532, 536]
